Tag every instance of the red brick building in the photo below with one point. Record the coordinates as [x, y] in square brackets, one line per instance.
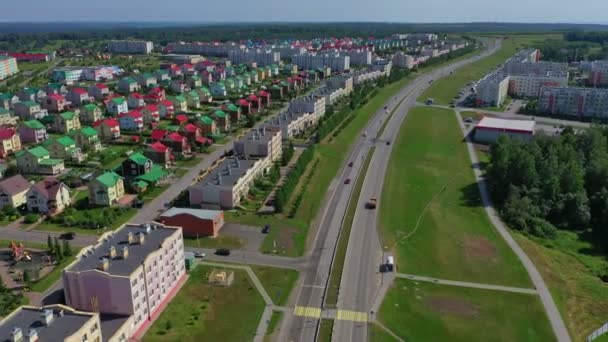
[194, 222]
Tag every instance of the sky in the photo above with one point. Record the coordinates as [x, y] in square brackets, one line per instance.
[532, 11]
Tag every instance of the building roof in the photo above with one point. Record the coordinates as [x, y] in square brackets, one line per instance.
[158, 134]
[200, 213]
[37, 151]
[108, 122]
[231, 107]
[68, 115]
[227, 172]
[108, 179]
[79, 91]
[29, 104]
[7, 133]
[138, 253]
[56, 97]
[50, 161]
[206, 120]
[191, 128]
[65, 322]
[220, 114]
[48, 187]
[159, 147]
[139, 158]
[175, 137]
[181, 118]
[136, 96]
[118, 100]
[101, 86]
[91, 106]
[15, 184]
[33, 124]
[154, 175]
[516, 126]
[88, 131]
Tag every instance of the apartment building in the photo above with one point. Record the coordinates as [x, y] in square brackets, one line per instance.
[530, 85]
[130, 46]
[403, 60]
[290, 124]
[130, 272]
[261, 57]
[288, 51]
[330, 94]
[308, 104]
[311, 61]
[229, 182]
[492, 90]
[51, 323]
[261, 142]
[361, 76]
[574, 101]
[8, 66]
[598, 74]
[198, 48]
[358, 56]
[345, 82]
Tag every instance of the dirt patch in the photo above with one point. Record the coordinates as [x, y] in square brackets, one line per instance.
[478, 247]
[452, 306]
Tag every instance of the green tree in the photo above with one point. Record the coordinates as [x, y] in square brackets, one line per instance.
[49, 243]
[67, 250]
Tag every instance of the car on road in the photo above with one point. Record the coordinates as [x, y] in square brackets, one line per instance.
[350, 164]
[67, 236]
[222, 251]
[199, 255]
[468, 120]
[385, 107]
[266, 229]
[347, 181]
[388, 142]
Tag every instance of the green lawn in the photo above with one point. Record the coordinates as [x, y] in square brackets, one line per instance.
[325, 330]
[222, 241]
[92, 213]
[430, 211]
[444, 90]
[377, 334]
[201, 312]
[278, 282]
[275, 320]
[418, 311]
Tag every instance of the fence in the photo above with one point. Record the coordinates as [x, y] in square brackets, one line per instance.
[599, 332]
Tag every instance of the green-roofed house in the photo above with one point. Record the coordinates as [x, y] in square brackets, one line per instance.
[136, 165]
[207, 125]
[106, 189]
[117, 106]
[32, 131]
[162, 75]
[230, 84]
[276, 91]
[195, 81]
[64, 148]
[204, 94]
[180, 105]
[238, 81]
[8, 100]
[146, 80]
[234, 111]
[87, 139]
[66, 122]
[37, 160]
[246, 78]
[128, 85]
[274, 69]
[193, 100]
[222, 119]
[90, 113]
[28, 110]
[155, 175]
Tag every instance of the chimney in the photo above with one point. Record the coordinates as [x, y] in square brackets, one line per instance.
[141, 238]
[47, 316]
[112, 252]
[104, 263]
[130, 238]
[32, 335]
[16, 335]
[125, 252]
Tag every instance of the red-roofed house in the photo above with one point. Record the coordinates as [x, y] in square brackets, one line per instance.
[150, 113]
[191, 132]
[175, 71]
[159, 154]
[135, 100]
[177, 143]
[99, 91]
[54, 103]
[131, 121]
[78, 96]
[256, 102]
[155, 95]
[181, 119]
[245, 106]
[166, 109]
[265, 96]
[158, 134]
[10, 142]
[108, 129]
[187, 69]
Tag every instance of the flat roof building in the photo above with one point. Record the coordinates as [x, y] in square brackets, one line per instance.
[194, 222]
[261, 142]
[488, 129]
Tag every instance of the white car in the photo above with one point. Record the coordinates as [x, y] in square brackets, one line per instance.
[199, 255]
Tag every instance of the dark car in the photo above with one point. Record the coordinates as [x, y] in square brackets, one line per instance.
[347, 181]
[266, 229]
[388, 142]
[350, 164]
[67, 236]
[385, 107]
[222, 251]
[270, 202]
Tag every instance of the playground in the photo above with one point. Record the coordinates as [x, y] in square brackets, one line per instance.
[18, 263]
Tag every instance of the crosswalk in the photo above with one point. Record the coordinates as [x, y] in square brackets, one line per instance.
[341, 315]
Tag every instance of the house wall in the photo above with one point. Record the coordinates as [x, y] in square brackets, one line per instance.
[112, 294]
[193, 226]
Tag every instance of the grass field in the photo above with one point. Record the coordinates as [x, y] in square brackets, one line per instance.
[275, 320]
[430, 312]
[442, 91]
[325, 330]
[581, 297]
[278, 282]
[201, 312]
[431, 213]
[222, 241]
[377, 334]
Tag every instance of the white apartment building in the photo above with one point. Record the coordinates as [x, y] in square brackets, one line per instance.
[261, 142]
[530, 85]
[403, 60]
[358, 56]
[574, 101]
[288, 51]
[598, 74]
[492, 90]
[129, 273]
[207, 49]
[308, 104]
[365, 75]
[130, 46]
[261, 57]
[344, 81]
[311, 61]
[290, 124]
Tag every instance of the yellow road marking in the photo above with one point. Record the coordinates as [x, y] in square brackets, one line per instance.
[348, 315]
[307, 311]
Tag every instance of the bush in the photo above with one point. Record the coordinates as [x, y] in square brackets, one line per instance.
[31, 218]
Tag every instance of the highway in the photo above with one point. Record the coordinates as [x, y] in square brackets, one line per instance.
[360, 279]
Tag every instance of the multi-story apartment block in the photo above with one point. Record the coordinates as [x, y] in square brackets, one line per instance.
[130, 272]
[262, 142]
[311, 61]
[345, 82]
[492, 89]
[598, 74]
[207, 49]
[261, 57]
[130, 46]
[308, 104]
[8, 67]
[358, 56]
[362, 76]
[67, 75]
[290, 124]
[530, 85]
[403, 60]
[574, 101]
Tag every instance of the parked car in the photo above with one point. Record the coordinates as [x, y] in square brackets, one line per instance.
[347, 181]
[67, 236]
[222, 251]
[199, 255]
[266, 229]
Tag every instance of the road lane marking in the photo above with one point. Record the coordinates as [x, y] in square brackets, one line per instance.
[314, 286]
[354, 316]
[307, 311]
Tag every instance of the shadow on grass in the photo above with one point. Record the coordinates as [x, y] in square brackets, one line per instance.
[470, 196]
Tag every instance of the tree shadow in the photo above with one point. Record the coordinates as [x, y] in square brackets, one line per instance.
[469, 196]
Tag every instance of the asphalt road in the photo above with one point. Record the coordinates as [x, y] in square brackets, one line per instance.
[361, 278]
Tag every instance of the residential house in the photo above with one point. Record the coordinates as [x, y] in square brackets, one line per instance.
[181, 119]
[66, 122]
[192, 133]
[131, 121]
[261, 74]
[155, 95]
[78, 96]
[246, 77]
[108, 129]
[64, 148]
[150, 113]
[10, 142]
[222, 119]
[87, 139]
[55, 103]
[32, 131]
[158, 134]
[37, 160]
[162, 75]
[55, 88]
[99, 91]
[159, 154]
[31, 94]
[188, 69]
[28, 110]
[90, 113]
[254, 77]
[179, 103]
[265, 97]
[179, 87]
[256, 103]
[136, 165]
[7, 118]
[206, 77]
[146, 80]
[234, 111]
[166, 109]
[194, 81]
[177, 143]
[128, 85]
[175, 71]
[49, 196]
[8, 100]
[246, 107]
[207, 125]
[13, 191]
[238, 82]
[106, 189]
[192, 99]
[276, 91]
[117, 106]
[135, 100]
[230, 84]
[218, 89]
[204, 94]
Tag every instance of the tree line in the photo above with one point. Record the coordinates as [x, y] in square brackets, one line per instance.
[285, 191]
[552, 183]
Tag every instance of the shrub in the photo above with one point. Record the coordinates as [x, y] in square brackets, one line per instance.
[31, 218]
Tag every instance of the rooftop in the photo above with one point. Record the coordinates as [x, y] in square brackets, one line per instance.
[227, 172]
[506, 125]
[200, 213]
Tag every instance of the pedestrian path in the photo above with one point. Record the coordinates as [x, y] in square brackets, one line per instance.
[467, 284]
[340, 315]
